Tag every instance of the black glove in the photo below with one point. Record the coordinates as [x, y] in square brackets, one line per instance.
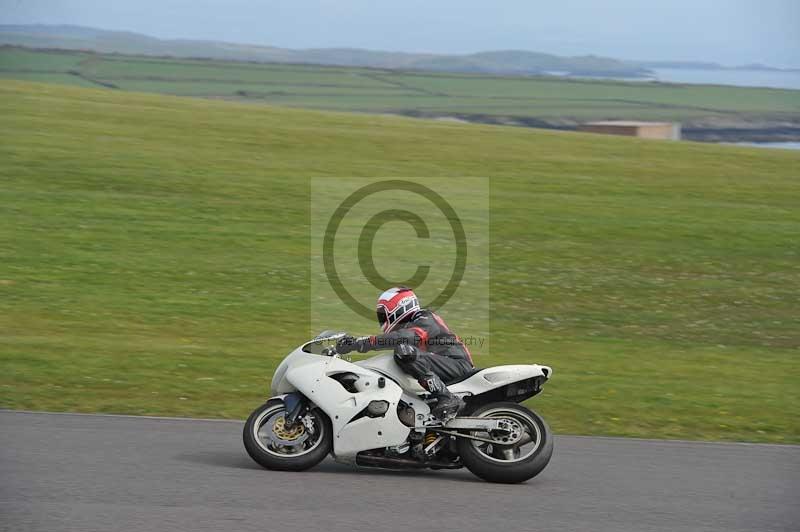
[345, 344]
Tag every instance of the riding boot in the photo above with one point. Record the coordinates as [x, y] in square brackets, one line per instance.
[447, 405]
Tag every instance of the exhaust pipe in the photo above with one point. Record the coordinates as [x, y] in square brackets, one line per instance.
[368, 460]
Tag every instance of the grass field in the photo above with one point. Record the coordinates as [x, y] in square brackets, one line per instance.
[476, 97]
[154, 259]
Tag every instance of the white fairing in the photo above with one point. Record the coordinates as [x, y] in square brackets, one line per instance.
[489, 379]
[385, 365]
[309, 374]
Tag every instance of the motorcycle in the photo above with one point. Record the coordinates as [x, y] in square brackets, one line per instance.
[370, 413]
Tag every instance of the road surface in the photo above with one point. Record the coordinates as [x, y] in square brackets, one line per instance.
[85, 473]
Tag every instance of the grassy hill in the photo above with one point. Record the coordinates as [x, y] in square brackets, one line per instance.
[527, 101]
[154, 259]
[493, 62]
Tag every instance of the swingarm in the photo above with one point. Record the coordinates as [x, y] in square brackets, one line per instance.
[500, 431]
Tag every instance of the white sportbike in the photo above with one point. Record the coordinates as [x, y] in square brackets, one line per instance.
[371, 413]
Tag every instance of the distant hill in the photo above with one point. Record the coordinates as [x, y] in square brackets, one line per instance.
[505, 62]
[702, 65]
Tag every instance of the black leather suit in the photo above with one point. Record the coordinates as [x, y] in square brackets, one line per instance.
[424, 345]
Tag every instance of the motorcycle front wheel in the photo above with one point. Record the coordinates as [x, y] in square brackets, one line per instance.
[275, 445]
[510, 458]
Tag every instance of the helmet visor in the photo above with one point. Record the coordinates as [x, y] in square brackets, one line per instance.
[381, 316]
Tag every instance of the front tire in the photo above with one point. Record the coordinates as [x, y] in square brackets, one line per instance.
[274, 446]
[508, 464]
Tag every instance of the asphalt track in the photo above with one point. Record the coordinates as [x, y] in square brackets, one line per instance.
[102, 473]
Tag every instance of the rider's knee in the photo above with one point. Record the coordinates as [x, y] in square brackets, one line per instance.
[405, 354]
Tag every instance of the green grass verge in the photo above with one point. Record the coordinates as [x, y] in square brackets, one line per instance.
[154, 259]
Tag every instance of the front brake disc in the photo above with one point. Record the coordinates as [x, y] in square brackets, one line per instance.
[280, 435]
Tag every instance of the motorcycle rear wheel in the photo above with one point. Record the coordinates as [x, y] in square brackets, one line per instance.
[274, 446]
[514, 463]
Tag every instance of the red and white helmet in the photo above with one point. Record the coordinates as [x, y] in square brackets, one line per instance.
[395, 306]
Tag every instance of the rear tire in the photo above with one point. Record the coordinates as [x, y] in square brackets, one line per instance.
[487, 462]
[266, 452]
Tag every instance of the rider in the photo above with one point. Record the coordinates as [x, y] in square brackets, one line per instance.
[423, 347]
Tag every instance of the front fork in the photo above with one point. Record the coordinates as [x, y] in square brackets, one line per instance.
[296, 407]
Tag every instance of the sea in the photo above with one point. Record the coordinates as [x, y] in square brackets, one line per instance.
[779, 145]
[779, 79]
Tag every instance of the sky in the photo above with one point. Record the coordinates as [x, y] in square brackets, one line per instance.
[731, 32]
